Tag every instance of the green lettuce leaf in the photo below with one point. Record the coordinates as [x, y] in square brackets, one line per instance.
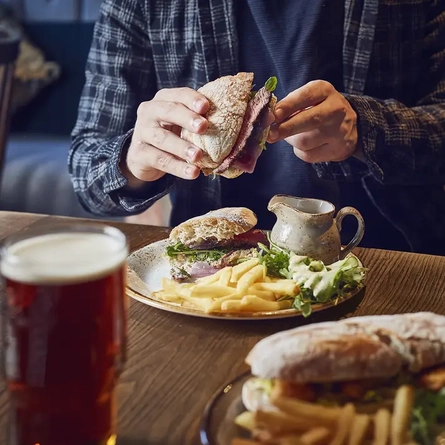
[271, 84]
[428, 413]
[195, 254]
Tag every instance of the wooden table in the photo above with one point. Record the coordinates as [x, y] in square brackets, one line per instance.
[176, 363]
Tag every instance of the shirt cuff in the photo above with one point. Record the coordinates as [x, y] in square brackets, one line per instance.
[133, 201]
[366, 133]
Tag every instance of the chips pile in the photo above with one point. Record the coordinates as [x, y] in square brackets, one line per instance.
[241, 288]
[295, 422]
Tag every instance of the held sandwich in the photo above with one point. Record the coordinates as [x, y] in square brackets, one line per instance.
[202, 245]
[388, 370]
[238, 125]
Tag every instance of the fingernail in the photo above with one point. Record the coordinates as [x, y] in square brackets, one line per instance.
[199, 104]
[197, 123]
[191, 152]
[189, 171]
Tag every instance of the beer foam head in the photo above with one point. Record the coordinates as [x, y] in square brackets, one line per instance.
[63, 258]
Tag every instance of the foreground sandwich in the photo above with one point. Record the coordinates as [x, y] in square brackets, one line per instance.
[238, 125]
[376, 379]
[202, 245]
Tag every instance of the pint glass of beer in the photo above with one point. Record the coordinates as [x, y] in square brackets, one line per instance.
[63, 333]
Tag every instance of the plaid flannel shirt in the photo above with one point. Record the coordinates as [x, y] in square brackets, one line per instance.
[394, 78]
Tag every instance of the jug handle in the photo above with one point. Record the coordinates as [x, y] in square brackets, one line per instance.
[358, 234]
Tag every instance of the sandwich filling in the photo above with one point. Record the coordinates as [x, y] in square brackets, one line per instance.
[252, 136]
[207, 257]
[368, 396]
[386, 371]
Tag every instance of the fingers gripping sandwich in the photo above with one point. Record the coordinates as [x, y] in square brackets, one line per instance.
[364, 361]
[202, 245]
[238, 125]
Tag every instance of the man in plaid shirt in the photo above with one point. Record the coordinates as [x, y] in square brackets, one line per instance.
[372, 73]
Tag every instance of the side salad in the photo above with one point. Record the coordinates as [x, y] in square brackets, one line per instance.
[319, 283]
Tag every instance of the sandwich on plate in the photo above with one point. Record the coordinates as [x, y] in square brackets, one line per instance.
[373, 379]
[239, 121]
[205, 244]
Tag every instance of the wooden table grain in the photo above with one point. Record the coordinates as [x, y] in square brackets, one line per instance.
[176, 363]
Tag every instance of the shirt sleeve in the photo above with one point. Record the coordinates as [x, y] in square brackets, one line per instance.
[119, 76]
[403, 145]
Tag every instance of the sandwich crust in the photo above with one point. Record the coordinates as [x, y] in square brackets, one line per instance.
[221, 224]
[352, 349]
[231, 173]
[228, 97]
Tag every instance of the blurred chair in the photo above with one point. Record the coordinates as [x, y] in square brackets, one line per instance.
[9, 47]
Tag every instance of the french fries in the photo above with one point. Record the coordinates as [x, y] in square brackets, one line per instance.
[403, 404]
[241, 288]
[253, 275]
[316, 436]
[282, 287]
[278, 422]
[344, 423]
[246, 421]
[240, 269]
[359, 429]
[311, 414]
[210, 291]
[382, 427]
[294, 422]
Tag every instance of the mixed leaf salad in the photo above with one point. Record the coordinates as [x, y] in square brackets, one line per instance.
[319, 283]
[428, 417]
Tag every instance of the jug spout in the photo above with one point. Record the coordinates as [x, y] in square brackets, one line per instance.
[274, 204]
[311, 207]
[281, 205]
[289, 217]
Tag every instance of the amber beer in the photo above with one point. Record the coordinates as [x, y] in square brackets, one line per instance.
[64, 334]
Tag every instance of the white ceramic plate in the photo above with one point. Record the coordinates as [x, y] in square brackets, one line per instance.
[146, 268]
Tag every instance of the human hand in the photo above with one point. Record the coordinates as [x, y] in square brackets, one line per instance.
[318, 122]
[156, 147]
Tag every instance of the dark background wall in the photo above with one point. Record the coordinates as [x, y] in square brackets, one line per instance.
[54, 110]
[63, 30]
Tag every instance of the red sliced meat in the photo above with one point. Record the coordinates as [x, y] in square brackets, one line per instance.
[252, 151]
[247, 239]
[247, 162]
[254, 108]
[252, 237]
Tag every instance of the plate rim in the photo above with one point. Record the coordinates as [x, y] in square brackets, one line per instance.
[240, 316]
[205, 417]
